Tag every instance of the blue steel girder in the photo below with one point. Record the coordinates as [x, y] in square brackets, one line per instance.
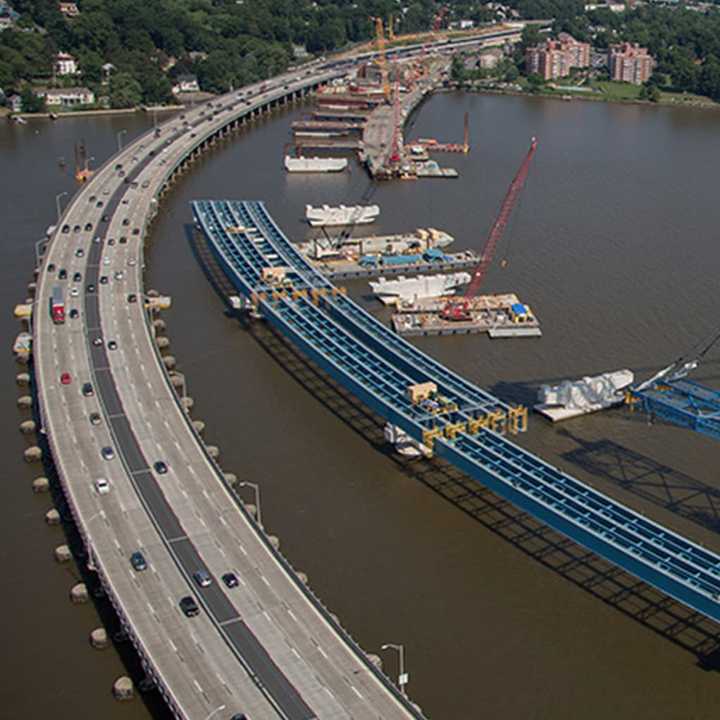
[656, 555]
[684, 403]
[416, 363]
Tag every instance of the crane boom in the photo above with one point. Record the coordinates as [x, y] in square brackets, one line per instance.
[459, 310]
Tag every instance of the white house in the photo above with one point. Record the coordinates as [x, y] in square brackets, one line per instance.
[67, 97]
[186, 84]
[65, 64]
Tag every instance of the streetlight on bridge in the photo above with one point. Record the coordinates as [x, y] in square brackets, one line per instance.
[403, 677]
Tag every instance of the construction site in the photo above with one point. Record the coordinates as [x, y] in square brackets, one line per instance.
[366, 114]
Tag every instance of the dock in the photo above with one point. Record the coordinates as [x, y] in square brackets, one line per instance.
[500, 316]
[334, 125]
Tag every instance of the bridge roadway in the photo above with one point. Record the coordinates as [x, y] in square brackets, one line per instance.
[266, 648]
[366, 358]
[212, 663]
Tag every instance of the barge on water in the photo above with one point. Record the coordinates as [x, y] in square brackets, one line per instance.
[344, 246]
[432, 260]
[500, 316]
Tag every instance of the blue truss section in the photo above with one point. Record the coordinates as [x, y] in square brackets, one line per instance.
[377, 367]
[684, 403]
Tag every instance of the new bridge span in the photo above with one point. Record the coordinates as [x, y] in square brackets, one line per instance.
[376, 365]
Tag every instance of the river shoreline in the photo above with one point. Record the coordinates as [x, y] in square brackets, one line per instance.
[92, 113]
[570, 97]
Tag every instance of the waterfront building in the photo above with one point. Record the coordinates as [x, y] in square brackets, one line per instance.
[555, 58]
[186, 83]
[630, 63]
[67, 97]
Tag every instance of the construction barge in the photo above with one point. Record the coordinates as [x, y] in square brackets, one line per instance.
[500, 316]
[354, 247]
[430, 261]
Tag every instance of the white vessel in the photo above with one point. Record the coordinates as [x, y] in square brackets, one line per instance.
[402, 289]
[341, 215]
[314, 164]
[405, 445]
[420, 240]
[572, 398]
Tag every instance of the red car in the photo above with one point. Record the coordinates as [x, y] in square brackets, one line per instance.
[65, 378]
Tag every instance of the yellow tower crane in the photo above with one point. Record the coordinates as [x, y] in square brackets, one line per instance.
[382, 60]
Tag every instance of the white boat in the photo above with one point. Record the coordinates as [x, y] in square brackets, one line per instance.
[420, 240]
[572, 398]
[314, 164]
[341, 215]
[405, 445]
[405, 290]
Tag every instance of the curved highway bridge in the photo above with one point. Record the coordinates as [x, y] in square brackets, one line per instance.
[267, 647]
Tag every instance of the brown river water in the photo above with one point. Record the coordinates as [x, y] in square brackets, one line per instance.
[615, 246]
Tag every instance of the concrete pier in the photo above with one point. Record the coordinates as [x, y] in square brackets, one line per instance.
[99, 639]
[40, 485]
[52, 516]
[62, 554]
[33, 454]
[27, 427]
[213, 451]
[123, 688]
[79, 594]
[22, 379]
[24, 402]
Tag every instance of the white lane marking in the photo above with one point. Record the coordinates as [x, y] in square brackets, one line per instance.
[198, 686]
[265, 580]
[291, 614]
[322, 652]
[356, 691]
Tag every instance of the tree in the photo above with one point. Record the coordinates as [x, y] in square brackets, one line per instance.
[650, 92]
[458, 73]
[31, 103]
[530, 37]
[125, 91]
[535, 82]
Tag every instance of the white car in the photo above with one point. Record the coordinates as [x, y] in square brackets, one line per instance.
[106, 261]
[102, 486]
[132, 262]
[74, 292]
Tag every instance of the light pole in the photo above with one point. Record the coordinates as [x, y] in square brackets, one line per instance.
[57, 204]
[256, 489]
[403, 677]
[216, 710]
[119, 139]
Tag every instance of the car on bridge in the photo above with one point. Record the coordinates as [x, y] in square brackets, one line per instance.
[102, 486]
[107, 452]
[230, 580]
[189, 606]
[202, 578]
[137, 560]
[87, 389]
[66, 378]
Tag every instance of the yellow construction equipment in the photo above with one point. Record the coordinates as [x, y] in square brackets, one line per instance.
[382, 60]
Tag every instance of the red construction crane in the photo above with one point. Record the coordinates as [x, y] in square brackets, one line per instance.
[460, 310]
